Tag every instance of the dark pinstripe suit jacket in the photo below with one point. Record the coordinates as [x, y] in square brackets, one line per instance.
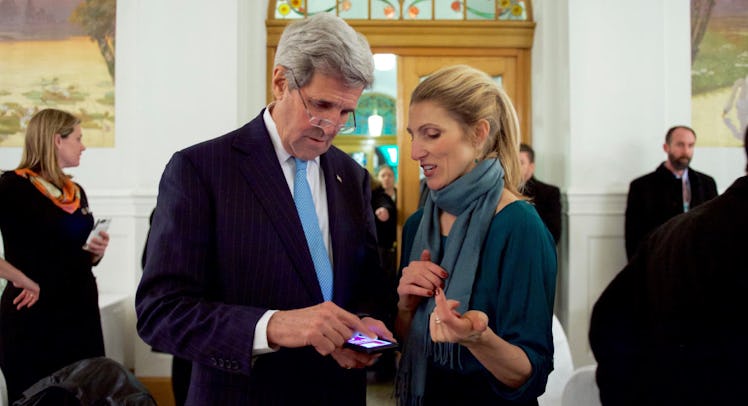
[226, 245]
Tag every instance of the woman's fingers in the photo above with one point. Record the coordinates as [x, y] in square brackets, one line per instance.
[447, 325]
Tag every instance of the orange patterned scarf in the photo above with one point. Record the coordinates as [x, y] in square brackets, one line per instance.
[68, 199]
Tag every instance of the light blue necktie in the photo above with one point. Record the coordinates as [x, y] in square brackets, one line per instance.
[302, 196]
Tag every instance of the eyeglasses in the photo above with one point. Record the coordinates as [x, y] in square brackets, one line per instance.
[323, 123]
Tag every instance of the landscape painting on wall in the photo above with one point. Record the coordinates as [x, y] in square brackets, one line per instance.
[57, 54]
[719, 71]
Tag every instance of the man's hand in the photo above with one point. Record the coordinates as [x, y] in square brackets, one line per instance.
[325, 327]
[348, 359]
[382, 214]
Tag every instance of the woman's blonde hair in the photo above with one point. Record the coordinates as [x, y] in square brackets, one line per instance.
[39, 152]
[470, 95]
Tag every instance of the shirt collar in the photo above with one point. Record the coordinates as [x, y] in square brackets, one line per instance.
[684, 175]
[281, 153]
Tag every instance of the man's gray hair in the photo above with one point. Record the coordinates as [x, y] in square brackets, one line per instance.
[326, 44]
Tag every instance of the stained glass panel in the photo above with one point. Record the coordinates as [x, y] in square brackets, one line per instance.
[385, 9]
[481, 9]
[512, 10]
[412, 9]
[417, 10]
[289, 9]
[321, 6]
[449, 9]
[353, 9]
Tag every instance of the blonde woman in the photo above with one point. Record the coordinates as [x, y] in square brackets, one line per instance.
[476, 295]
[45, 221]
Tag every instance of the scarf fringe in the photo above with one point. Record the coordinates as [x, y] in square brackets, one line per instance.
[404, 396]
[446, 354]
[442, 353]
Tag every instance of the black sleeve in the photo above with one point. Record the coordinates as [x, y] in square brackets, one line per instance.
[634, 212]
[145, 246]
[616, 337]
[553, 220]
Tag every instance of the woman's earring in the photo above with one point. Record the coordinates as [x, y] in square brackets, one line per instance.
[476, 160]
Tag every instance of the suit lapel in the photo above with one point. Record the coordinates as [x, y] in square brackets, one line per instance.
[262, 172]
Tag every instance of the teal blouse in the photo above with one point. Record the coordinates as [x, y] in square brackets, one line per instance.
[515, 286]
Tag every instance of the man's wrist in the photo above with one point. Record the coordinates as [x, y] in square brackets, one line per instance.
[262, 343]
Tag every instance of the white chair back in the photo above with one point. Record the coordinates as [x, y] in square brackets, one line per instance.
[581, 390]
[3, 390]
[563, 367]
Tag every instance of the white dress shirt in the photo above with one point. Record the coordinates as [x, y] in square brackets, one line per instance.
[317, 185]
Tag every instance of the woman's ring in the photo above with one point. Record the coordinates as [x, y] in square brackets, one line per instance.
[437, 320]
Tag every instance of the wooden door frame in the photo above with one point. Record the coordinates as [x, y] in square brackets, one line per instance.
[448, 38]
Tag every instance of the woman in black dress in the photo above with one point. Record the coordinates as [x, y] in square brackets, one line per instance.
[383, 195]
[385, 212]
[45, 221]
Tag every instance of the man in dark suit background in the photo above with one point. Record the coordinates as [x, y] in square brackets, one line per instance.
[670, 328]
[673, 188]
[545, 197]
[230, 280]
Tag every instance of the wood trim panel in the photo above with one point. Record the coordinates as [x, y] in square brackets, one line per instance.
[470, 34]
[160, 389]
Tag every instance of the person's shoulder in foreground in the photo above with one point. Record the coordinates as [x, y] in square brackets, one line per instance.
[673, 311]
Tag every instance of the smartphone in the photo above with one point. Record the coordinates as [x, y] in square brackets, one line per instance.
[101, 224]
[362, 343]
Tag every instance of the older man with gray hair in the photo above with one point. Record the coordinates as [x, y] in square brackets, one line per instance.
[262, 258]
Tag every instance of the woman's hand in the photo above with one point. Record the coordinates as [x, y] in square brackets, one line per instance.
[448, 326]
[382, 214]
[98, 245]
[30, 293]
[506, 361]
[420, 279]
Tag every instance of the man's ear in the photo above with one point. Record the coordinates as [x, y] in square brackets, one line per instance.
[279, 82]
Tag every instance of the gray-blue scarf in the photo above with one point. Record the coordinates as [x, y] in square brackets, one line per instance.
[473, 199]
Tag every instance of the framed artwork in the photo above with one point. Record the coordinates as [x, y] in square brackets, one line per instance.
[57, 54]
[719, 71]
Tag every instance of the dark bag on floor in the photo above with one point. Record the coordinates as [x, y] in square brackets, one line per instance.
[90, 382]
